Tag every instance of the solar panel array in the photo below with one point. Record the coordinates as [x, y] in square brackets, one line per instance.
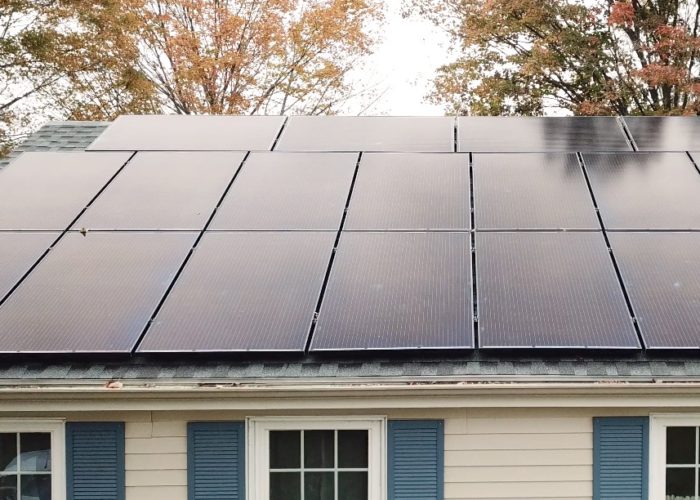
[316, 234]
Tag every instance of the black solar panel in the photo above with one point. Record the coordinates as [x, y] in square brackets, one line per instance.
[47, 191]
[539, 134]
[661, 272]
[244, 292]
[368, 133]
[171, 190]
[398, 291]
[645, 190]
[92, 293]
[281, 191]
[18, 253]
[667, 133]
[189, 133]
[411, 191]
[531, 191]
[549, 290]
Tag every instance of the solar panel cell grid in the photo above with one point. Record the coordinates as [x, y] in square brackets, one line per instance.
[664, 133]
[410, 191]
[531, 191]
[549, 290]
[18, 253]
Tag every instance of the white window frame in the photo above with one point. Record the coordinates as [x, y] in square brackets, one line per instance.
[657, 448]
[258, 449]
[58, 447]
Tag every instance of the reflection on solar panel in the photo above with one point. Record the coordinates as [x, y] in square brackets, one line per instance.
[244, 291]
[368, 133]
[191, 132]
[411, 191]
[645, 190]
[661, 272]
[398, 291]
[172, 190]
[288, 191]
[667, 133]
[531, 191]
[537, 134]
[47, 191]
[18, 253]
[549, 290]
[92, 293]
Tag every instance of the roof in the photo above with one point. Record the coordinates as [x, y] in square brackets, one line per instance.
[598, 221]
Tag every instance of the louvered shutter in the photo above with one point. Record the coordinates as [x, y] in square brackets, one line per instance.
[216, 460]
[620, 458]
[416, 460]
[95, 460]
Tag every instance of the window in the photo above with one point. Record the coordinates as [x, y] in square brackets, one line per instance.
[312, 459]
[29, 453]
[675, 458]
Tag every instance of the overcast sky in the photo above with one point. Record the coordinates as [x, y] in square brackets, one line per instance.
[403, 65]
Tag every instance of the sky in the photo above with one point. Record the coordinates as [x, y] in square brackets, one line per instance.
[402, 66]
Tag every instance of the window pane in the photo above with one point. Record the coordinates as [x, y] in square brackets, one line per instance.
[352, 449]
[36, 487]
[318, 486]
[680, 483]
[352, 486]
[680, 445]
[319, 449]
[285, 449]
[285, 485]
[8, 453]
[35, 452]
[8, 487]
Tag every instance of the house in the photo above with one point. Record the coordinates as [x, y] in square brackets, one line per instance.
[351, 308]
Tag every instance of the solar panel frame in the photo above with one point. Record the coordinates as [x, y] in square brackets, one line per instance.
[531, 191]
[430, 134]
[288, 191]
[519, 134]
[664, 133]
[437, 291]
[636, 191]
[95, 292]
[526, 279]
[661, 272]
[46, 191]
[410, 191]
[263, 300]
[163, 191]
[19, 251]
[177, 133]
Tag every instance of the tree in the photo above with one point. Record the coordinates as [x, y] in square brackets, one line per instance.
[583, 56]
[255, 56]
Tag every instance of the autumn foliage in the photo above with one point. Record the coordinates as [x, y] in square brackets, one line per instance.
[588, 57]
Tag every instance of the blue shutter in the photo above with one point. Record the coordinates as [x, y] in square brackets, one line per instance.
[95, 460]
[216, 460]
[620, 458]
[416, 460]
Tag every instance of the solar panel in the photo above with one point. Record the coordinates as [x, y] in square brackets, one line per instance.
[47, 191]
[288, 191]
[398, 291]
[92, 293]
[667, 133]
[540, 134]
[549, 290]
[531, 191]
[661, 272]
[411, 191]
[18, 253]
[189, 132]
[368, 133]
[645, 190]
[242, 291]
[171, 190]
